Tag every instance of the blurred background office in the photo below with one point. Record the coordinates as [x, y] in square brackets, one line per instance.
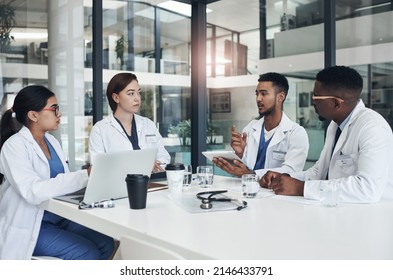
[197, 64]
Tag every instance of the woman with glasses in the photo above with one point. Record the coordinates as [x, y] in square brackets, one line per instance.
[124, 129]
[33, 169]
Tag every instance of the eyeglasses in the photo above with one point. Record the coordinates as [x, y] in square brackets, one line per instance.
[323, 97]
[55, 109]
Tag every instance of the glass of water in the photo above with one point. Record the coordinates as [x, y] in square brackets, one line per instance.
[250, 185]
[205, 176]
[187, 175]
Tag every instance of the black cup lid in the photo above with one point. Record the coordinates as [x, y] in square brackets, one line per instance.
[174, 166]
[135, 176]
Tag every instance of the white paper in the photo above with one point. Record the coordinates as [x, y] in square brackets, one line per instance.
[189, 202]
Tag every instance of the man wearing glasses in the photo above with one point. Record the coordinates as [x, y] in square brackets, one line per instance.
[358, 150]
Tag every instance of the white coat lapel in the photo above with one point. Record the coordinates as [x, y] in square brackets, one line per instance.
[139, 125]
[257, 129]
[343, 137]
[252, 142]
[116, 125]
[330, 137]
[277, 137]
[37, 149]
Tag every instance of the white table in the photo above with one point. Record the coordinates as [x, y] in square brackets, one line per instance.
[270, 228]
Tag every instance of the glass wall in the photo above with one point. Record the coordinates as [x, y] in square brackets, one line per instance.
[295, 44]
[52, 46]
[365, 38]
[294, 27]
[47, 48]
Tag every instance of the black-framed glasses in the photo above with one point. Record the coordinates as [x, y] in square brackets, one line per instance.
[55, 109]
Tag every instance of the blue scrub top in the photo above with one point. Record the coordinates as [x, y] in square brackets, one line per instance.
[56, 167]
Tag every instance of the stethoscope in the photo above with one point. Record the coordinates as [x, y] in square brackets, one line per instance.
[207, 201]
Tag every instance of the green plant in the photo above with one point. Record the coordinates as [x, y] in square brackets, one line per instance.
[184, 131]
[119, 49]
[7, 22]
[172, 129]
[211, 131]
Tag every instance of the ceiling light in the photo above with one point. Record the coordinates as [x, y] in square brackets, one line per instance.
[181, 8]
[29, 33]
[372, 7]
[106, 5]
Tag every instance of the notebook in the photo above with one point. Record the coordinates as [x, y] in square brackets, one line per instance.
[107, 176]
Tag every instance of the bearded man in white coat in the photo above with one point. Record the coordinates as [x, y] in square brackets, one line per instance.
[273, 142]
[359, 159]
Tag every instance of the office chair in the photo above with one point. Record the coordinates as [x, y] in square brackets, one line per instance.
[133, 248]
[44, 258]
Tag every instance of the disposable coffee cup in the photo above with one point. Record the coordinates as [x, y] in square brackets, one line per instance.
[137, 190]
[175, 176]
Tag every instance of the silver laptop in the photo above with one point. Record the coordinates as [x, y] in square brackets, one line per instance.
[108, 174]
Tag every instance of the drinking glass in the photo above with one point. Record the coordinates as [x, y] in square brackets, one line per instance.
[187, 175]
[205, 176]
[250, 185]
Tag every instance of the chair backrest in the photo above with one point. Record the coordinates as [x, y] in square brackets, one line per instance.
[45, 258]
[133, 248]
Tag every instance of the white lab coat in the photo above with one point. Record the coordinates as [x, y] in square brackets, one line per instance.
[287, 151]
[361, 163]
[26, 185]
[108, 136]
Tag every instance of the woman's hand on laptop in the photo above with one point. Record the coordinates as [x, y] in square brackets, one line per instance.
[159, 166]
[87, 166]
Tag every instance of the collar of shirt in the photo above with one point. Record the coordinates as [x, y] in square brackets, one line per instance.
[344, 123]
[269, 134]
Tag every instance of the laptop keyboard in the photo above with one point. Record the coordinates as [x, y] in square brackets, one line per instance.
[77, 198]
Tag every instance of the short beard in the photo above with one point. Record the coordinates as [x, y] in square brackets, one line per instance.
[267, 112]
[322, 119]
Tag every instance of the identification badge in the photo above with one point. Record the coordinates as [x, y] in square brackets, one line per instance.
[151, 138]
[278, 155]
[344, 160]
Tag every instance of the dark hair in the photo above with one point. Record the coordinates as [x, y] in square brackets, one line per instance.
[30, 98]
[116, 85]
[341, 77]
[279, 81]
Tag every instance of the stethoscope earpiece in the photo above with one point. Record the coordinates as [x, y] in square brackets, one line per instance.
[242, 206]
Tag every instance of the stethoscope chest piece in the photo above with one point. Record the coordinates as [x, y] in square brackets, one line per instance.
[206, 204]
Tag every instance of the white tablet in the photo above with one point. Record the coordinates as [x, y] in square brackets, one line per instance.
[228, 155]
